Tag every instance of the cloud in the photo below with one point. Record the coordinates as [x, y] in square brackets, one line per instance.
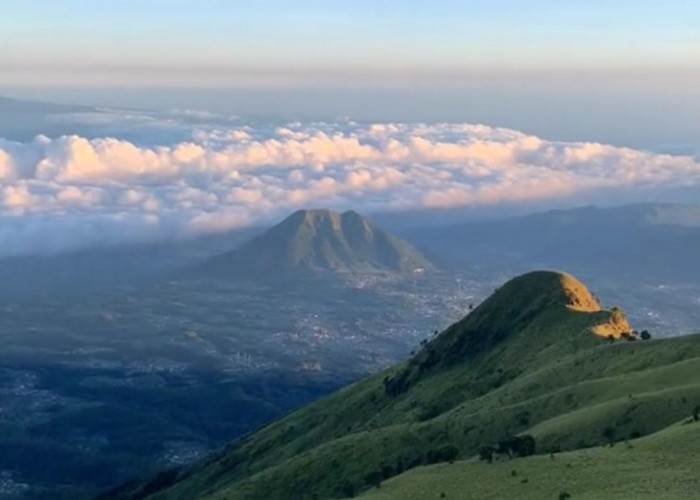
[72, 191]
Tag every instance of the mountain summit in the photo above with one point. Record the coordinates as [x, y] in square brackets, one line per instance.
[322, 240]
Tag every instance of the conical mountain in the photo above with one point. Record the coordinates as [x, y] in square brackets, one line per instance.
[535, 358]
[322, 240]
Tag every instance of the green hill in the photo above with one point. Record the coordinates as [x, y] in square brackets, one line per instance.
[539, 357]
[321, 240]
[662, 466]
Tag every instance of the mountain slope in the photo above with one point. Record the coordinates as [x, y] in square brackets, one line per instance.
[664, 239]
[662, 466]
[321, 240]
[533, 358]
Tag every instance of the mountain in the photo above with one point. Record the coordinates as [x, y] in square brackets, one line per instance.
[321, 240]
[9, 105]
[631, 242]
[539, 357]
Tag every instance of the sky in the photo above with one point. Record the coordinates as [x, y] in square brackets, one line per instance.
[624, 72]
[210, 115]
[363, 42]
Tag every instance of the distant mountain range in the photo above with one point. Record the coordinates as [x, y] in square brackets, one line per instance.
[321, 241]
[539, 368]
[637, 242]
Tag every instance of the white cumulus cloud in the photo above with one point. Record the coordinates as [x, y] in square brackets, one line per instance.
[72, 191]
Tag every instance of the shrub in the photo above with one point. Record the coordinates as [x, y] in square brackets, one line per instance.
[609, 434]
[444, 454]
[645, 335]
[374, 478]
[387, 471]
[523, 418]
[348, 489]
[486, 454]
[564, 495]
[519, 446]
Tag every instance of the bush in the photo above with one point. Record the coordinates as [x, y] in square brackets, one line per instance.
[348, 489]
[645, 335]
[387, 471]
[444, 454]
[609, 435]
[374, 478]
[486, 454]
[519, 446]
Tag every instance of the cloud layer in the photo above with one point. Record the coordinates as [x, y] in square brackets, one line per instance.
[71, 191]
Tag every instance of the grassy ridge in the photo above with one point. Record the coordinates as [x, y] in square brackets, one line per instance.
[526, 360]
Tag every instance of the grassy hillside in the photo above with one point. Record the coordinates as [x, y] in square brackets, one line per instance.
[662, 466]
[534, 358]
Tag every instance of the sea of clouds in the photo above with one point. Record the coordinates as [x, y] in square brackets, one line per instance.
[73, 191]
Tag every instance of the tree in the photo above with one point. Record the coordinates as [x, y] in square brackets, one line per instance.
[486, 454]
[387, 471]
[524, 446]
[519, 446]
[609, 434]
[504, 447]
[564, 495]
[696, 413]
[645, 335]
[348, 489]
[374, 478]
[444, 454]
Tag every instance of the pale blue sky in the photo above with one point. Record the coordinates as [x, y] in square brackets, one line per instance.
[622, 71]
[283, 42]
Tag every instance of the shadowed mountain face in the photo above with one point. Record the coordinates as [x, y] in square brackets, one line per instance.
[540, 357]
[321, 240]
[632, 242]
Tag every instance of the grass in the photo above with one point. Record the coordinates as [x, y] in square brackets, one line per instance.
[525, 361]
[662, 466]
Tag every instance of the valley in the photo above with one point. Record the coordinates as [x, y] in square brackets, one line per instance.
[134, 379]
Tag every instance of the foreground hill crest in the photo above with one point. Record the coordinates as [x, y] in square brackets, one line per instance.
[525, 323]
[528, 360]
[322, 240]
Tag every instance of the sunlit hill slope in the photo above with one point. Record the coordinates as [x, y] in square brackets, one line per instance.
[540, 357]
